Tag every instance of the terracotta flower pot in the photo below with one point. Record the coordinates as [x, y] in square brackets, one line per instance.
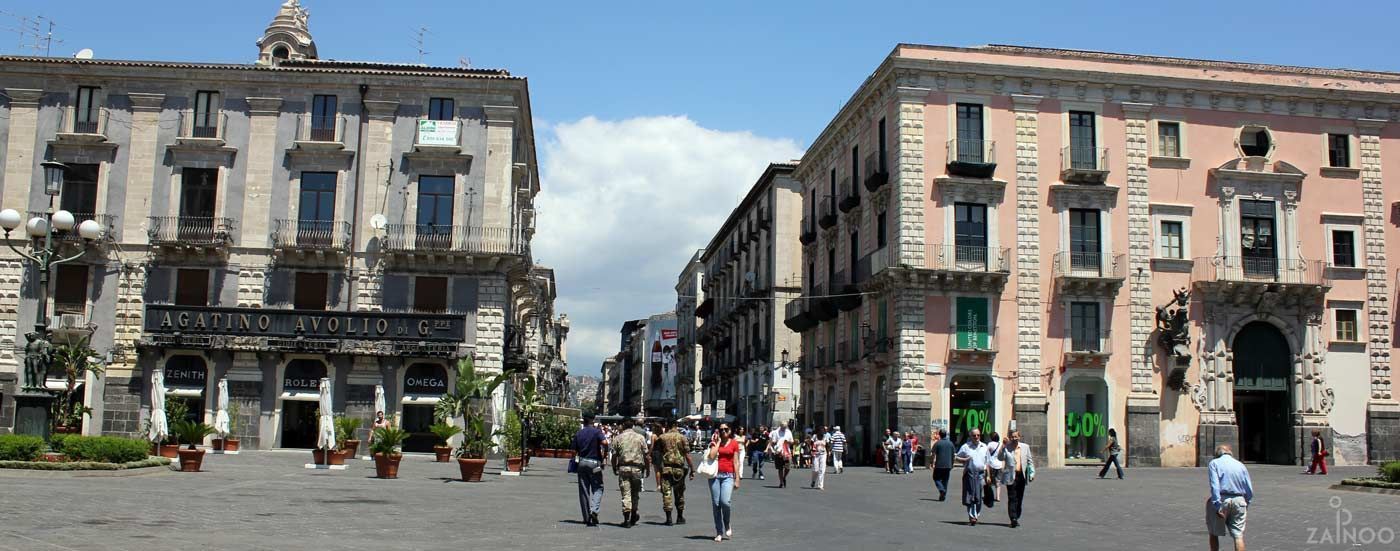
[337, 457]
[230, 444]
[471, 468]
[387, 466]
[513, 464]
[351, 446]
[190, 460]
[169, 450]
[443, 453]
[67, 430]
[565, 454]
[217, 444]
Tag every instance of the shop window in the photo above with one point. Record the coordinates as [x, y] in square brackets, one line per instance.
[70, 289]
[192, 287]
[430, 294]
[311, 290]
[971, 401]
[1086, 419]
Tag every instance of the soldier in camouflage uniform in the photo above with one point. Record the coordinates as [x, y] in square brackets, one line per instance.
[675, 465]
[629, 463]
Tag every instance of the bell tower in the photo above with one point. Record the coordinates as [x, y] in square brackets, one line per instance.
[287, 37]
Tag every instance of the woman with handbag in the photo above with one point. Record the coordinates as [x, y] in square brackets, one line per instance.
[721, 460]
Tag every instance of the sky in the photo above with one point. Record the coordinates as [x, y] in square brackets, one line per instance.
[654, 118]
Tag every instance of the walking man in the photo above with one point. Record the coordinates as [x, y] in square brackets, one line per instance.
[675, 466]
[838, 450]
[1018, 472]
[629, 463]
[942, 463]
[780, 449]
[1230, 494]
[588, 448]
[973, 456]
[758, 446]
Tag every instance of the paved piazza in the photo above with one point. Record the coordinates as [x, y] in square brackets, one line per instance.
[266, 500]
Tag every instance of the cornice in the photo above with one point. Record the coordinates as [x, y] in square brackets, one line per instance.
[27, 97]
[264, 106]
[381, 110]
[141, 101]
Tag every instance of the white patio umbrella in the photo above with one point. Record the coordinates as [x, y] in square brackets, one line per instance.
[325, 428]
[379, 399]
[159, 427]
[221, 420]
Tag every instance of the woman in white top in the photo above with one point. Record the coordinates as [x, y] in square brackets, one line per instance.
[818, 444]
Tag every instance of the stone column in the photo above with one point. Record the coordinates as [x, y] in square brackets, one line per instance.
[1030, 402]
[144, 153]
[21, 160]
[1144, 409]
[262, 157]
[1383, 411]
[492, 294]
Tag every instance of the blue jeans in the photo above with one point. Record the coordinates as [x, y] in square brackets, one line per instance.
[908, 461]
[721, 491]
[590, 491]
[756, 461]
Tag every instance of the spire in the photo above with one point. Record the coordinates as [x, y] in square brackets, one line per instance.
[287, 37]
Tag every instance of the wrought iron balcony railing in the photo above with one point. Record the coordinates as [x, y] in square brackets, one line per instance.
[322, 235]
[972, 158]
[202, 231]
[432, 238]
[1294, 271]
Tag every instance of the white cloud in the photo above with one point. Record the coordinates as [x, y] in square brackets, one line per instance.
[624, 205]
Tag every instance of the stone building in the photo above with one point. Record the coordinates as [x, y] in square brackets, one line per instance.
[1013, 218]
[274, 223]
[751, 269]
[690, 292]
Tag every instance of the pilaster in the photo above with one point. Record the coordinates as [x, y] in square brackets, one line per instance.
[21, 158]
[492, 296]
[131, 304]
[1140, 311]
[1029, 313]
[1377, 290]
[262, 154]
[251, 284]
[379, 144]
[500, 145]
[909, 175]
[145, 123]
[11, 280]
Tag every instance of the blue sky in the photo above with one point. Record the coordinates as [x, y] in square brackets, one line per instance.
[647, 110]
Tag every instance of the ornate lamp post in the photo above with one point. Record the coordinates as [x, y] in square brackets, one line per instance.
[786, 369]
[33, 399]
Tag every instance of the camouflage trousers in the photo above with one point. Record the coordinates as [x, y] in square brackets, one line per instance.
[629, 480]
[672, 489]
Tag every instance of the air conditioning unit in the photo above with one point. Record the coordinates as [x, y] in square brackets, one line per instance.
[71, 321]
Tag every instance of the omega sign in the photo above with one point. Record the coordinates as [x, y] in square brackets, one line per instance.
[166, 319]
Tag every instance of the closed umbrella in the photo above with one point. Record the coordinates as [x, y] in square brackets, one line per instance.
[159, 427]
[221, 420]
[379, 399]
[325, 429]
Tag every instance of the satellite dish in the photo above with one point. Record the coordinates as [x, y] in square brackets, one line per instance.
[85, 53]
[378, 221]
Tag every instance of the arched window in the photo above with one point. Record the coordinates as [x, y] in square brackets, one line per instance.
[280, 53]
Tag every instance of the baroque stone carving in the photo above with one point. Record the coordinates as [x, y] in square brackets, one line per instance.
[1174, 336]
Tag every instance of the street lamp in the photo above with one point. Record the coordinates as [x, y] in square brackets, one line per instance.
[32, 400]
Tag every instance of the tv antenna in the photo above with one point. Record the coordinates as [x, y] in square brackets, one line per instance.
[35, 33]
[419, 42]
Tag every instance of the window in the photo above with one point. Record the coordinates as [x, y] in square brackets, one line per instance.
[880, 129]
[1338, 150]
[435, 210]
[206, 115]
[310, 290]
[830, 269]
[880, 230]
[1082, 141]
[833, 187]
[969, 133]
[1257, 247]
[198, 190]
[1084, 327]
[970, 234]
[1346, 326]
[855, 255]
[70, 289]
[323, 115]
[1084, 240]
[430, 294]
[442, 109]
[1169, 139]
[192, 287]
[85, 111]
[1170, 239]
[80, 191]
[1254, 141]
[280, 53]
[1344, 248]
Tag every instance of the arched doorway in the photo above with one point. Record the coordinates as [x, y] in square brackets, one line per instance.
[423, 384]
[971, 401]
[1262, 360]
[301, 385]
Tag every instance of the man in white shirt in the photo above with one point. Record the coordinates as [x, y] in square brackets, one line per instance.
[780, 449]
[973, 456]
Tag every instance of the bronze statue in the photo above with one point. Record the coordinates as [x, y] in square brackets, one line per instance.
[38, 354]
[1174, 336]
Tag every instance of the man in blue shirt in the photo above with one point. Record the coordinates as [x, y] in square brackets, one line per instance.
[1230, 495]
[588, 446]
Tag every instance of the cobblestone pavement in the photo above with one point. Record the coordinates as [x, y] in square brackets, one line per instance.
[267, 500]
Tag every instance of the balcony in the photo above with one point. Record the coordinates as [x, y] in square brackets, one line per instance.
[85, 127]
[972, 158]
[433, 240]
[843, 285]
[1244, 280]
[187, 232]
[877, 173]
[826, 213]
[847, 352]
[950, 267]
[706, 308]
[809, 232]
[1089, 274]
[797, 316]
[850, 196]
[823, 308]
[202, 128]
[323, 133]
[765, 219]
[311, 236]
[972, 344]
[107, 221]
[1088, 351]
[70, 324]
[1084, 165]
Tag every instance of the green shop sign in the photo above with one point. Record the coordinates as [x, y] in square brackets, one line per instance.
[1087, 424]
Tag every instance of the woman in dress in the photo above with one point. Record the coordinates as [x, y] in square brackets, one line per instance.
[741, 436]
[725, 450]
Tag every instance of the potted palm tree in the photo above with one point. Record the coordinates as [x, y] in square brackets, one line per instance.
[513, 442]
[191, 433]
[443, 432]
[345, 431]
[467, 400]
[77, 360]
[385, 448]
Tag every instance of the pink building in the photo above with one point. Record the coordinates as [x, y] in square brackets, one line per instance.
[989, 234]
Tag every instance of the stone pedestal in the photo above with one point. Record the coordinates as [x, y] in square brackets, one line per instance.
[1382, 432]
[1143, 428]
[1030, 413]
[912, 414]
[1210, 435]
[32, 414]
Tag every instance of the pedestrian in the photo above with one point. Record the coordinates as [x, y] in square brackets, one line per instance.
[906, 450]
[726, 452]
[780, 449]
[888, 448]
[1018, 472]
[676, 465]
[1113, 450]
[1319, 454]
[973, 456]
[654, 432]
[818, 447]
[588, 446]
[942, 463]
[741, 437]
[631, 465]
[1230, 495]
[994, 467]
[838, 450]
[758, 444]
[379, 423]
